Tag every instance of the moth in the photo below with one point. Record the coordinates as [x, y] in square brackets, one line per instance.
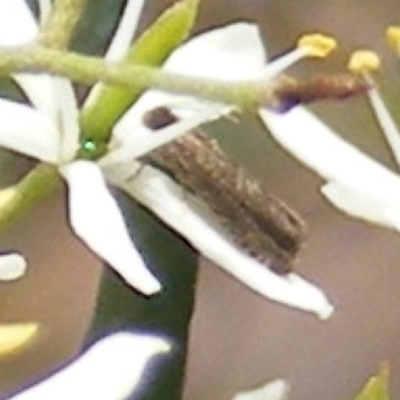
[260, 223]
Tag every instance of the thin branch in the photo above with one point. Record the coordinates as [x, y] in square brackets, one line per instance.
[58, 29]
[22, 197]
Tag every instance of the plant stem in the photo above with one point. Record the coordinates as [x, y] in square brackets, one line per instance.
[59, 28]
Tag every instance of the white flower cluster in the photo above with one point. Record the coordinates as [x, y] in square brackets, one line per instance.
[48, 130]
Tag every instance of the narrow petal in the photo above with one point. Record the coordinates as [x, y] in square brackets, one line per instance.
[67, 117]
[17, 24]
[126, 30]
[121, 40]
[275, 390]
[110, 370]
[141, 142]
[12, 267]
[15, 337]
[24, 130]
[40, 91]
[181, 212]
[368, 206]
[95, 217]
[338, 162]
[44, 9]
[235, 52]
[56, 98]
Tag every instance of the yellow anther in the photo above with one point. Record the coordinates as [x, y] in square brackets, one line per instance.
[364, 61]
[393, 37]
[14, 337]
[317, 45]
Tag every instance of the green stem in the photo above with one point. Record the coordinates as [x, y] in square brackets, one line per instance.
[18, 199]
[89, 70]
[59, 28]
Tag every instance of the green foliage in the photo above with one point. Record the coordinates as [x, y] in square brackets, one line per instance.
[151, 49]
[377, 386]
[167, 313]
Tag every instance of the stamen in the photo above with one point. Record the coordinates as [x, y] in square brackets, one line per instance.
[364, 62]
[313, 45]
[15, 337]
[317, 45]
[393, 38]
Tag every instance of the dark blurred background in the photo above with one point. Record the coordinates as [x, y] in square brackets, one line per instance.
[238, 339]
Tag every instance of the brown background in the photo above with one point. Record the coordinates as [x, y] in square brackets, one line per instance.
[238, 338]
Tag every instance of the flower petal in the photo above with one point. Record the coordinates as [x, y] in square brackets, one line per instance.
[121, 40]
[145, 140]
[235, 52]
[126, 30]
[182, 213]
[40, 91]
[27, 131]
[110, 370]
[12, 267]
[67, 116]
[367, 206]
[275, 390]
[96, 219]
[56, 98]
[17, 24]
[44, 9]
[348, 170]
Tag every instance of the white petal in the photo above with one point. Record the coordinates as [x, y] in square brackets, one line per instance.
[44, 9]
[142, 141]
[368, 206]
[17, 24]
[121, 40]
[68, 114]
[56, 98]
[96, 219]
[110, 370]
[27, 131]
[177, 209]
[275, 390]
[127, 27]
[40, 91]
[314, 144]
[234, 52]
[12, 266]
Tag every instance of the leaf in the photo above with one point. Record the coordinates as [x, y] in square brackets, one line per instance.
[151, 49]
[377, 386]
[167, 314]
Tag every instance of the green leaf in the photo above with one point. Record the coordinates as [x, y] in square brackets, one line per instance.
[151, 49]
[167, 314]
[377, 386]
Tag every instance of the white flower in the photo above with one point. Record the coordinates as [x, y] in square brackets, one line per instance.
[275, 390]
[355, 183]
[111, 369]
[53, 131]
[50, 133]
